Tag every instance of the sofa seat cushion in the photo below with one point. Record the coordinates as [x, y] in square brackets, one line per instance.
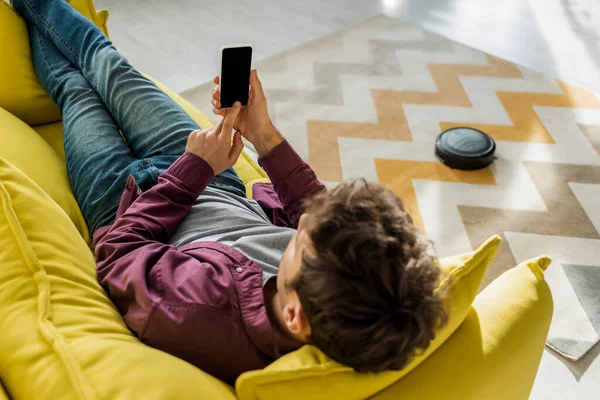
[30, 153]
[62, 338]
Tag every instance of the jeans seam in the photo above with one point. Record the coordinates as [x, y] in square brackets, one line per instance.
[154, 173]
[50, 28]
[147, 166]
[48, 65]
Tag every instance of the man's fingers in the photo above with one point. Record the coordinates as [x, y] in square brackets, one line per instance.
[236, 147]
[216, 93]
[219, 111]
[256, 85]
[229, 119]
[216, 80]
[216, 103]
[218, 127]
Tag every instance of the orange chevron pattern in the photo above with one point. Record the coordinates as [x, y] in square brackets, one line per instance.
[323, 135]
[527, 126]
[398, 175]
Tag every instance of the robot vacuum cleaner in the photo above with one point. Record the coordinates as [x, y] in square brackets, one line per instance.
[465, 148]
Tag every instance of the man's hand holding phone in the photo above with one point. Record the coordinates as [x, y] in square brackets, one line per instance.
[252, 121]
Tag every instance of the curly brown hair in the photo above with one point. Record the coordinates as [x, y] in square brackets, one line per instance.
[368, 283]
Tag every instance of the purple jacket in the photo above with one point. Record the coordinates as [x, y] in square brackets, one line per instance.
[202, 302]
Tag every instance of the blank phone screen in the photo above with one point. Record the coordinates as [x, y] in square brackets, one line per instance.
[235, 75]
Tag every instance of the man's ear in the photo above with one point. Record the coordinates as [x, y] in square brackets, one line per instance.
[296, 321]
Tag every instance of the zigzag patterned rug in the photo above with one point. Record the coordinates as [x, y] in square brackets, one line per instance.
[369, 101]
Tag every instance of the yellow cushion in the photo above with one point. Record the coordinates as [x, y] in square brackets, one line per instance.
[308, 373]
[3, 395]
[25, 149]
[61, 336]
[496, 351]
[52, 133]
[21, 92]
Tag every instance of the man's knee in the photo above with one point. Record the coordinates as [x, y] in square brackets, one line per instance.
[108, 64]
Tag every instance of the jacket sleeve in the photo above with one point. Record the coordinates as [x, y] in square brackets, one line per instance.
[130, 255]
[293, 180]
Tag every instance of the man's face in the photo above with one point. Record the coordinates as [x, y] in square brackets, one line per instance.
[291, 262]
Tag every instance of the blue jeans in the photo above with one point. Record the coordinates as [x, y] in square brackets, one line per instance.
[116, 122]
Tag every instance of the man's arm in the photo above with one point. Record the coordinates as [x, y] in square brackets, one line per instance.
[128, 254]
[292, 178]
[133, 251]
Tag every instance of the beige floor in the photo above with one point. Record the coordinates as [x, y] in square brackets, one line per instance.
[178, 42]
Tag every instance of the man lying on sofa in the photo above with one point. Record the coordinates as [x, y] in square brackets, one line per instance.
[196, 268]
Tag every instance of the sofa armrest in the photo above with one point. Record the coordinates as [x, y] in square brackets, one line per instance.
[102, 20]
[495, 354]
[3, 395]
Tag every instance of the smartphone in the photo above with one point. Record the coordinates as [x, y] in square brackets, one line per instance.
[234, 80]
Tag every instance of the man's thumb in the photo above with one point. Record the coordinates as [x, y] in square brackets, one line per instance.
[236, 147]
[255, 84]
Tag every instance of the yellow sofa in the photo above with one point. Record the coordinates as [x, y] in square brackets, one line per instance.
[61, 337]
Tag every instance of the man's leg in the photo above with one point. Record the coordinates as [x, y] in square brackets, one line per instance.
[98, 159]
[155, 127]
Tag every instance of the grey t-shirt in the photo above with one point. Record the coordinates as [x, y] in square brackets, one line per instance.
[220, 216]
